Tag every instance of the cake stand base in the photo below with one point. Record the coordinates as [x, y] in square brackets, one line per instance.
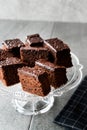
[33, 105]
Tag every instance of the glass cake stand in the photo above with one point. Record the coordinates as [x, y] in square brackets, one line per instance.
[30, 104]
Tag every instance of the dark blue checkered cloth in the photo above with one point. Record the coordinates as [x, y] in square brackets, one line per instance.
[74, 114]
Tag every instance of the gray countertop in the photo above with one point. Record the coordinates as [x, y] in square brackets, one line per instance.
[75, 34]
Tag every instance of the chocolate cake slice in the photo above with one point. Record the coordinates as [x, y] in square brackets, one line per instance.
[60, 52]
[4, 54]
[31, 54]
[8, 70]
[13, 45]
[57, 74]
[34, 80]
[34, 40]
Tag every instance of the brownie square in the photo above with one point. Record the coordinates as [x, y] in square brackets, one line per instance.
[60, 52]
[34, 80]
[4, 54]
[34, 40]
[31, 54]
[8, 70]
[13, 45]
[57, 74]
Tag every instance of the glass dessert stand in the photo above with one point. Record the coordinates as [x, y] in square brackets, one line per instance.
[29, 104]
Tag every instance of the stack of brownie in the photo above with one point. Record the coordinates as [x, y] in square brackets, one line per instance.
[38, 64]
[10, 61]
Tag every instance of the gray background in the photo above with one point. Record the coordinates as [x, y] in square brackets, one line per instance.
[49, 10]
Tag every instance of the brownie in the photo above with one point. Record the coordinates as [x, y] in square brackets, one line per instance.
[4, 54]
[0, 75]
[57, 74]
[59, 52]
[8, 70]
[34, 80]
[34, 40]
[31, 54]
[13, 45]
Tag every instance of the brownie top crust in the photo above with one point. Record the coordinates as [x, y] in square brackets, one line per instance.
[57, 44]
[33, 48]
[12, 43]
[10, 61]
[4, 54]
[35, 40]
[35, 71]
[47, 65]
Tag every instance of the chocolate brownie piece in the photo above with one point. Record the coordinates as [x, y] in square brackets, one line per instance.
[4, 54]
[34, 80]
[0, 75]
[60, 52]
[57, 74]
[13, 45]
[8, 70]
[34, 40]
[31, 54]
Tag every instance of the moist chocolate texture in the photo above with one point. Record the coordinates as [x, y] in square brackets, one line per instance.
[35, 40]
[13, 45]
[34, 80]
[57, 44]
[60, 52]
[4, 54]
[57, 74]
[10, 61]
[8, 70]
[31, 54]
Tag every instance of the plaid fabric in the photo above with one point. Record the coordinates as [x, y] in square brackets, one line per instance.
[74, 114]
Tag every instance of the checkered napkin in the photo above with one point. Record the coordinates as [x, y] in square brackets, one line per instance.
[74, 114]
